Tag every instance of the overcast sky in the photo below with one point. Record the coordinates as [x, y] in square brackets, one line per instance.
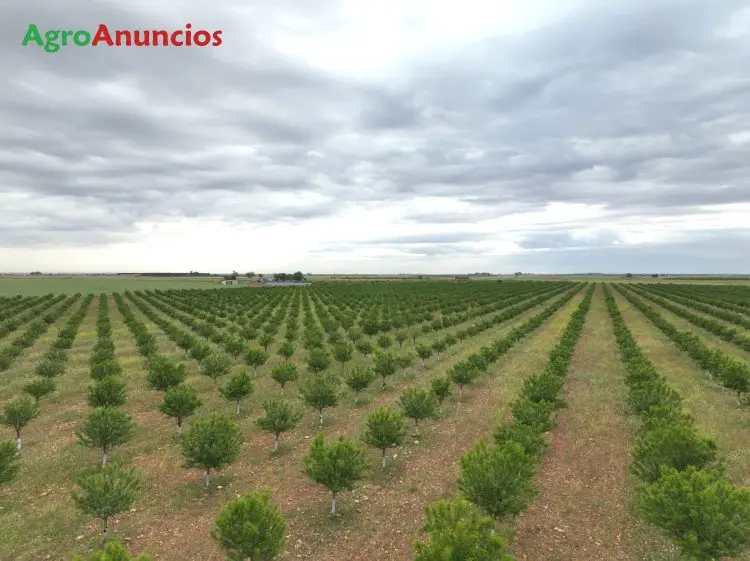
[389, 136]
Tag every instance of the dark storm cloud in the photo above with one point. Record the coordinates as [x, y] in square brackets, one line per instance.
[629, 105]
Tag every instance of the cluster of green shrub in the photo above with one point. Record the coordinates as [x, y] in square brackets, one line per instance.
[732, 372]
[496, 481]
[684, 489]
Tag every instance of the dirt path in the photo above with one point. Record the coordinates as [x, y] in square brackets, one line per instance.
[582, 511]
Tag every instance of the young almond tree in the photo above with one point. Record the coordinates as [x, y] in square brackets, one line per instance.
[360, 377]
[320, 392]
[318, 360]
[458, 530]
[441, 389]
[180, 402]
[113, 551]
[419, 404]
[18, 414]
[424, 352]
[462, 374]
[40, 388]
[337, 466]
[343, 353]
[239, 386]
[286, 350]
[9, 461]
[401, 337]
[109, 391]
[104, 428]
[210, 444]
[106, 492]
[216, 365]
[280, 416]
[251, 527]
[255, 358]
[164, 372]
[386, 364]
[365, 347]
[284, 373]
[498, 480]
[234, 346]
[384, 428]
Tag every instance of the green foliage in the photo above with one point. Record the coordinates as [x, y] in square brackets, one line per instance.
[384, 428]
[424, 352]
[498, 480]
[533, 413]
[419, 404]
[528, 436]
[113, 551]
[280, 416]
[463, 373]
[108, 391]
[676, 446]
[234, 346]
[104, 428]
[343, 353]
[543, 387]
[359, 378]
[50, 368]
[700, 510]
[337, 466]
[365, 347]
[256, 358]
[265, 340]
[239, 386]
[40, 388]
[216, 365]
[180, 402]
[286, 350]
[441, 388]
[385, 365]
[284, 373]
[106, 492]
[210, 444]
[320, 392]
[19, 413]
[250, 527]
[9, 462]
[384, 341]
[401, 337]
[109, 367]
[164, 373]
[318, 360]
[459, 532]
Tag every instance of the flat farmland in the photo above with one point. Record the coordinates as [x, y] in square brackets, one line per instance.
[568, 389]
[72, 284]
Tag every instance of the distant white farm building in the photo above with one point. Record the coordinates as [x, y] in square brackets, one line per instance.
[230, 282]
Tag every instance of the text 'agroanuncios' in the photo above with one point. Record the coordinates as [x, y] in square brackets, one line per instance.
[54, 39]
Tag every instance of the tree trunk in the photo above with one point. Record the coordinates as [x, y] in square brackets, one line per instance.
[282, 390]
[382, 460]
[333, 504]
[238, 407]
[321, 417]
[416, 427]
[105, 531]
[383, 382]
[105, 456]
[207, 478]
[179, 426]
[19, 444]
[276, 442]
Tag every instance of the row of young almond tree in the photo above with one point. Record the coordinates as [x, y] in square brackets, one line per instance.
[732, 372]
[111, 427]
[684, 489]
